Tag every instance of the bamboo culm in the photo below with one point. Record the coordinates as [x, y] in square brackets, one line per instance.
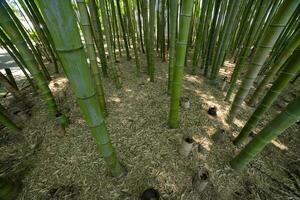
[18, 26]
[123, 30]
[199, 37]
[180, 53]
[10, 28]
[133, 38]
[287, 74]
[72, 55]
[98, 35]
[224, 40]
[292, 44]
[265, 45]
[151, 39]
[246, 49]
[111, 60]
[88, 37]
[8, 122]
[274, 128]
[173, 26]
[13, 52]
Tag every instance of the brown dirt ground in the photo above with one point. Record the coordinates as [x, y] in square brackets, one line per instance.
[69, 167]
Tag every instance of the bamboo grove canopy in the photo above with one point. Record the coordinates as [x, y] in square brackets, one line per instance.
[85, 39]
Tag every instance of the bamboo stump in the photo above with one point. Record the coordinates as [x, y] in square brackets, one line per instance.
[212, 111]
[224, 83]
[219, 136]
[150, 194]
[185, 102]
[200, 180]
[186, 146]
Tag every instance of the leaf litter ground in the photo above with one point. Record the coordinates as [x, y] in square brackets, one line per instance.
[69, 167]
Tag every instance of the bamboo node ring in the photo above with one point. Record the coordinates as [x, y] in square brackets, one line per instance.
[70, 50]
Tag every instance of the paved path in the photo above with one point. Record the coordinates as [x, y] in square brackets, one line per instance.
[6, 61]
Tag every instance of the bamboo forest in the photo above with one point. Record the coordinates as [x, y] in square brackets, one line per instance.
[149, 99]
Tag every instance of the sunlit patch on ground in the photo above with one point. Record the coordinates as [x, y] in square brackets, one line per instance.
[280, 145]
[138, 126]
[114, 99]
[58, 84]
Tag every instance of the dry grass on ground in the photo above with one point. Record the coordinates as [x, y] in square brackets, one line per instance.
[70, 167]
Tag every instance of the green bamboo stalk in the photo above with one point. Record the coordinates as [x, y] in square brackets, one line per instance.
[124, 15]
[44, 28]
[199, 36]
[119, 28]
[211, 36]
[8, 25]
[34, 18]
[38, 40]
[206, 32]
[163, 24]
[138, 4]
[181, 46]
[98, 35]
[11, 78]
[146, 30]
[246, 49]
[111, 28]
[274, 128]
[237, 23]
[133, 39]
[280, 44]
[224, 41]
[196, 16]
[219, 26]
[133, 12]
[168, 24]
[11, 30]
[70, 50]
[8, 122]
[247, 24]
[114, 17]
[173, 26]
[88, 37]
[36, 46]
[267, 20]
[111, 60]
[192, 23]
[13, 52]
[123, 30]
[158, 27]
[18, 25]
[244, 24]
[292, 44]
[10, 87]
[288, 73]
[202, 51]
[151, 39]
[268, 40]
